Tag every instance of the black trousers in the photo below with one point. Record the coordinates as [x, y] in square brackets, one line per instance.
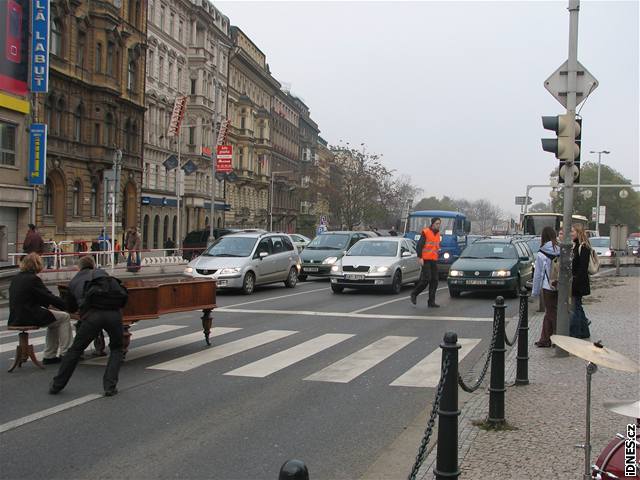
[92, 323]
[428, 277]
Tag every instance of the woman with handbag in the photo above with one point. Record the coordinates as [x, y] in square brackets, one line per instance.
[545, 284]
[581, 256]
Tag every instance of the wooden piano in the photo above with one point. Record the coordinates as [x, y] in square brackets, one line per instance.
[150, 298]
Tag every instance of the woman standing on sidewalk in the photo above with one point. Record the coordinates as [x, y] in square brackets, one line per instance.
[581, 254]
[543, 282]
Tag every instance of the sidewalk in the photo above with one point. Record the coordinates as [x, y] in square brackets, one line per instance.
[548, 414]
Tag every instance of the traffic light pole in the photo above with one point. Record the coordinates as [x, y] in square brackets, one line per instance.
[564, 286]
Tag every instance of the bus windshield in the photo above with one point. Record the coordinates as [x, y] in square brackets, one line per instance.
[417, 224]
[534, 224]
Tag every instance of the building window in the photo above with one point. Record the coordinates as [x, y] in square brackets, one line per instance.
[7, 144]
[98, 57]
[48, 198]
[150, 64]
[77, 124]
[193, 86]
[96, 134]
[108, 131]
[80, 48]
[59, 117]
[156, 231]
[179, 79]
[56, 37]
[170, 71]
[242, 122]
[162, 15]
[192, 136]
[77, 190]
[172, 20]
[93, 199]
[131, 79]
[152, 12]
[180, 30]
[161, 69]
[110, 48]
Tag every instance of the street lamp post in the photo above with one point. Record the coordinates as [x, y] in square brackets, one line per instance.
[606, 152]
[271, 197]
[115, 189]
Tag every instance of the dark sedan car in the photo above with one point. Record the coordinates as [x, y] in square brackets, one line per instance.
[504, 264]
[325, 250]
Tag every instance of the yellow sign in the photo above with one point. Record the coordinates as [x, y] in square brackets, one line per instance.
[13, 103]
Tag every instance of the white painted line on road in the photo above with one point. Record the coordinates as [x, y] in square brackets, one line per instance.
[142, 333]
[222, 309]
[366, 309]
[198, 359]
[288, 357]
[426, 373]
[48, 412]
[163, 345]
[360, 315]
[345, 370]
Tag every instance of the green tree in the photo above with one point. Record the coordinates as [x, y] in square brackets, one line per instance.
[540, 207]
[619, 210]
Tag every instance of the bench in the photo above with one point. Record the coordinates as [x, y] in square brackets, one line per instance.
[24, 350]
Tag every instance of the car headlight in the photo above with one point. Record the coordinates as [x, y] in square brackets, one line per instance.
[446, 255]
[455, 273]
[500, 273]
[188, 270]
[607, 253]
[330, 260]
[229, 270]
[382, 269]
[336, 269]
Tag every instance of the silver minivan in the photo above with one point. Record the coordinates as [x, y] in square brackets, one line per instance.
[247, 259]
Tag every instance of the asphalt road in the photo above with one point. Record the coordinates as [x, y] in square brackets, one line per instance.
[303, 373]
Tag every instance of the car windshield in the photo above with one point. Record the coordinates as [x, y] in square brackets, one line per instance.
[599, 242]
[374, 249]
[417, 224]
[633, 242]
[231, 247]
[329, 241]
[489, 250]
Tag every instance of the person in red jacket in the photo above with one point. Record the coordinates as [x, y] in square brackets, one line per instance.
[33, 242]
[428, 247]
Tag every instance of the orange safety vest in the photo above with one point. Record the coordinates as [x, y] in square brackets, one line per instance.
[431, 244]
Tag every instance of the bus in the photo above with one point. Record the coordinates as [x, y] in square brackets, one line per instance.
[453, 231]
[533, 223]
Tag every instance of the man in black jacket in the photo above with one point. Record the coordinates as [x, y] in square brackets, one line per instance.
[29, 302]
[93, 321]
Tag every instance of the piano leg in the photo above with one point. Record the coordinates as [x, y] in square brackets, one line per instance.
[126, 339]
[99, 345]
[207, 321]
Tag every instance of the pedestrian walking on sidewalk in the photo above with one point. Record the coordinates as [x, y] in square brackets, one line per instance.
[134, 244]
[427, 249]
[29, 302]
[545, 282]
[33, 242]
[93, 319]
[580, 286]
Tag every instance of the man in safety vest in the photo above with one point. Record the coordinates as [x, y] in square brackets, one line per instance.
[428, 247]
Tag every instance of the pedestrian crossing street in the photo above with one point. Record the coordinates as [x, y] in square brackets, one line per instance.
[355, 363]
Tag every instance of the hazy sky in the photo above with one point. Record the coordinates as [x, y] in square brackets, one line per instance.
[452, 92]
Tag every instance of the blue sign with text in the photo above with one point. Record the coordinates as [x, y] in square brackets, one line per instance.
[40, 46]
[38, 154]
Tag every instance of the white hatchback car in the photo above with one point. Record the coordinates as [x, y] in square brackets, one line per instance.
[247, 259]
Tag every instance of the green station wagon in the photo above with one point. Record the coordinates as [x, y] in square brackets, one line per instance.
[495, 264]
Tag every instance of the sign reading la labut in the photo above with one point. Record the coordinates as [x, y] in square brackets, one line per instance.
[40, 46]
[38, 154]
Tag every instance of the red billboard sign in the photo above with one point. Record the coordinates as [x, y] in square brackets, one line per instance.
[224, 158]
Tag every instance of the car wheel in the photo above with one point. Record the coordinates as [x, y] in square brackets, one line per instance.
[396, 285]
[337, 289]
[454, 293]
[248, 283]
[302, 277]
[292, 278]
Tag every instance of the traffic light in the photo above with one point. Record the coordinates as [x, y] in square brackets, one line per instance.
[562, 147]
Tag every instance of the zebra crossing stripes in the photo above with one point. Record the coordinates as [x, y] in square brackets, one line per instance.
[142, 333]
[273, 363]
[164, 345]
[426, 373]
[345, 370]
[218, 352]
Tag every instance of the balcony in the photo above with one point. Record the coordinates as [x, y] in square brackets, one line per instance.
[241, 132]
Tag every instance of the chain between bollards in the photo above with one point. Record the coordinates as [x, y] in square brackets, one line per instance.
[448, 412]
[497, 389]
[522, 365]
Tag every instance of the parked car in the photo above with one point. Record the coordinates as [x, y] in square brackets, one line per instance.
[492, 264]
[387, 262]
[196, 241]
[246, 259]
[633, 246]
[602, 246]
[300, 241]
[325, 250]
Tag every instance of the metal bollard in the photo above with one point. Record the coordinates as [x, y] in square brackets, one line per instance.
[293, 470]
[496, 389]
[522, 365]
[448, 412]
